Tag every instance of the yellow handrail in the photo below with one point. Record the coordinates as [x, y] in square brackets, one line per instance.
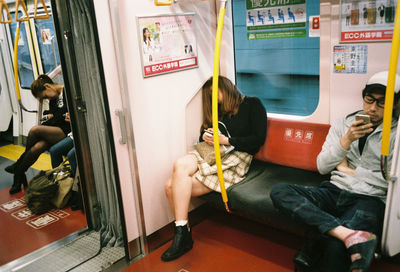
[47, 16]
[162, 2]
[25, 17]
[16, 62]
[387, 118]
[3, 5]
[16, 69]
[215, 103]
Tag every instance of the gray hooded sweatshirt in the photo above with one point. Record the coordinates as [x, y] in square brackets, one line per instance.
[367, 179]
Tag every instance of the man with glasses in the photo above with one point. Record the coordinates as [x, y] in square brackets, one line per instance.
[345, 214]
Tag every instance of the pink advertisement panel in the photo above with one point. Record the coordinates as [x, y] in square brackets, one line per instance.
[168, 43]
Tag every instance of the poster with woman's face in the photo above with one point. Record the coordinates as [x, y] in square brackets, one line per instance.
[45, 36]
[168, 43]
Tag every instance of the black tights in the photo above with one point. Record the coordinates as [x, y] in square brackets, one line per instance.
[40, 139]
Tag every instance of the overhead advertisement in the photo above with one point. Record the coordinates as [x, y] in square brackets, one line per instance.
[275, 14]
[168, 43]
[367, 20]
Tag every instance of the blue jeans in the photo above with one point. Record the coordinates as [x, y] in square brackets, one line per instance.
[327, 207]
[65, 147]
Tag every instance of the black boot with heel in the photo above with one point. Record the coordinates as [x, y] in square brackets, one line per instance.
[12, 167]
[181, 244]
[19, 180]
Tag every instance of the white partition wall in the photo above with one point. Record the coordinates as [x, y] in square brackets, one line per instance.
[158, 105]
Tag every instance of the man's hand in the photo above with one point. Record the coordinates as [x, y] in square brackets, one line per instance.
[67, 119]
[355, 132]
[344, 167]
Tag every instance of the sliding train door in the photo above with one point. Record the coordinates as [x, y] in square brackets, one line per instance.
[7, 106]
[391, 226]
[89, 63]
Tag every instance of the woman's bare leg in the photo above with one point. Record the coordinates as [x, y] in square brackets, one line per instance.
[168, 193]
[181, 182]
[183, 166]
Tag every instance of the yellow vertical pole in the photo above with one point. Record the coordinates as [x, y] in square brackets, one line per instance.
[387, 118]
[215, 102]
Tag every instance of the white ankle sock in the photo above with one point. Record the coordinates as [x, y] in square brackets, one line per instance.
[180, 223]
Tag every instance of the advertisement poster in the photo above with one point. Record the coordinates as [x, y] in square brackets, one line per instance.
[367, 20]
[45, 33]
[268, 14]
[350, 59]
[168, 43]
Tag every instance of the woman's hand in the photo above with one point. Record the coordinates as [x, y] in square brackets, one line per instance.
[210, 139]
[343, 166]
[67, 119]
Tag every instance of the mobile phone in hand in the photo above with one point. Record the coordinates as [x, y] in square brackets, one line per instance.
[366, 119]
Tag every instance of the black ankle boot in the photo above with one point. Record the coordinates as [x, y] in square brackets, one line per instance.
[19, 180]
[181, 244]
[12, 167]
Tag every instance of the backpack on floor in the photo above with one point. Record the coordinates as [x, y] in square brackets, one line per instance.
[43, 188]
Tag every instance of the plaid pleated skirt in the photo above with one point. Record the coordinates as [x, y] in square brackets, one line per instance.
[235, 166]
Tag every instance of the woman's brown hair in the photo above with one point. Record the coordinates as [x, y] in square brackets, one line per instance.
[229, 106]
[37, 86]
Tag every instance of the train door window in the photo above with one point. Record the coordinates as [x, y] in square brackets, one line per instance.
[48, 48]
[276, 60]
[25, 69]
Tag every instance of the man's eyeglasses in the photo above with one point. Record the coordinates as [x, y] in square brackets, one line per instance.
[370, 100]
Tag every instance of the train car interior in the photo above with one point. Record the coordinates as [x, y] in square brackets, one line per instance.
[129, 76]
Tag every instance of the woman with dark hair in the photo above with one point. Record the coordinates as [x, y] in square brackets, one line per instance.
[244, 127]
[147, 45]
[42, 137]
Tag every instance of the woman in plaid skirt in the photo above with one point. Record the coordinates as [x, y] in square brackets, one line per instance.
[243, 126]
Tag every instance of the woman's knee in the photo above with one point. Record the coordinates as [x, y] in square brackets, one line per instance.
[182, 165]
[34, 131]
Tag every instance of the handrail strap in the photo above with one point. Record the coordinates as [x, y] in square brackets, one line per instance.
[3, 5]
[47, 16]
[25, 16]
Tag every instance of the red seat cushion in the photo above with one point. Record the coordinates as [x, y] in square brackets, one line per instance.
[293, 143]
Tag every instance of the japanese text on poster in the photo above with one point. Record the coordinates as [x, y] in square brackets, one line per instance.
[367, 20]
[273, 14]
[350, 59]
[168, 43]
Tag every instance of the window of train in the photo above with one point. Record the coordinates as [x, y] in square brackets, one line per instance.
[283, 72]
[47, 44]
[25, 68]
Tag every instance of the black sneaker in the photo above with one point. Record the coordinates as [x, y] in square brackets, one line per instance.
[181, 244]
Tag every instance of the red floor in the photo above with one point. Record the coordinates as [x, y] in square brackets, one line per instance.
[23, 232]
[223, 243]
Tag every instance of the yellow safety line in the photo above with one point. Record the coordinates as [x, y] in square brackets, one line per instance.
[13, 152]
[215, 103]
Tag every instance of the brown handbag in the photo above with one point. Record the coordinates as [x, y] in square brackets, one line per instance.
[206, 151]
